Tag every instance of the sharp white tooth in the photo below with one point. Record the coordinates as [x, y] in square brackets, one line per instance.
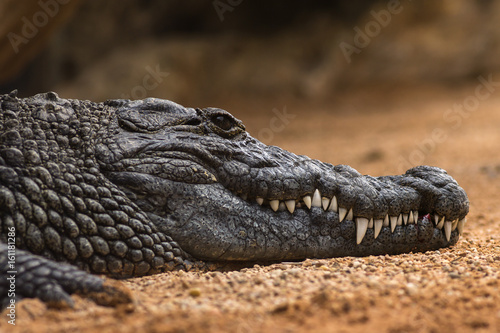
[333, 205]
[394, 222]
[316, 201]
[454, 225]
[440, 224]
[386, 220]
[370, 223]
[410, 218]
[350, 215]
[290, 205]
[400, 219]
[274, 204]
[361, 226]
[342, 213]
[415, 216]
[377, 227]
[307, 201]
[436, 219]
[260, 201]
[460, 226]
[447, 230]
[405, 219]
[325, 202]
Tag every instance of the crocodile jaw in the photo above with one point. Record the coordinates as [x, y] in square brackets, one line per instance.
[210, 222]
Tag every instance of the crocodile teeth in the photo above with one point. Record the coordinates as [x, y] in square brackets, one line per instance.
[290, 205]
[350, 215]
[274, 204]
[460, 226]
[454, 225]
[447, 230]
[377, 227]
[316, 200]
[282, 206]
[415, 216]
[361, 226]
[260, 201]
[394, 222]
[440, 224]
[386, 220]
[436, 220]
[342, 213]
[307, 201]
[244, 196]
[333, 205]
[400, 219]
[325, 202]
[370, 223]
[410, 218]
[405, 219]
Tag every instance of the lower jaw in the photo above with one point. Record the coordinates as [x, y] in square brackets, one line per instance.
[418, 237]
[322, 238]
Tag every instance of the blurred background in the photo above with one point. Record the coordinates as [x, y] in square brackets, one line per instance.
[381, 75]
[205, 51]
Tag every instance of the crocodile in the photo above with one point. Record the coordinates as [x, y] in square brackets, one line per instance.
[134, 187]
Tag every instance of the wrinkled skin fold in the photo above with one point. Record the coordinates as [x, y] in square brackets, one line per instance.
[138, 187]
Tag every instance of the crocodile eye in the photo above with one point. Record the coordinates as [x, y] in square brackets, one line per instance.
[223, 122]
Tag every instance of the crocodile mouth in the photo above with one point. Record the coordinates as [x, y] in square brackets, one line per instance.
[363, 224]
[189, 169]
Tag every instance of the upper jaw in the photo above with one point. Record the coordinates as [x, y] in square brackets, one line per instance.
[373, 203]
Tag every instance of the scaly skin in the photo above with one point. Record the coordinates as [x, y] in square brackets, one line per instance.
[128, 188]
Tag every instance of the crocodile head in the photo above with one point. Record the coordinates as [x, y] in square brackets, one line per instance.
[223, 195]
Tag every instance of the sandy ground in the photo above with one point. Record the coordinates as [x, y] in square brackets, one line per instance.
[380, 132]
